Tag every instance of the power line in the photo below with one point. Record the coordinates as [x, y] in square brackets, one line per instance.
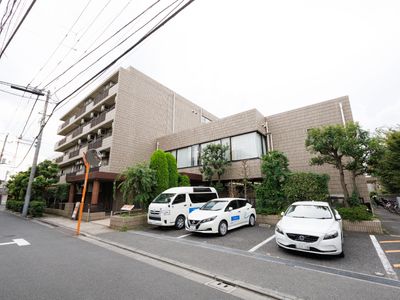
[147, 35]
[61, 42]
[15, 31]
[10, 22]
[102, 43]
[113, 48]
[29, 116]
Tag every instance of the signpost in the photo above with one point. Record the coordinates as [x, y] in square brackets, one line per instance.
[90, 159]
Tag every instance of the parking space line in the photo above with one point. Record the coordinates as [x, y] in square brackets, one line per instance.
[262, 243]
[185, 235]
[385, 262]
[389, 241]
[392, 251]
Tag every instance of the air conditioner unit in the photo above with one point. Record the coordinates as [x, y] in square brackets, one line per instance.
[82, 121]
[103, 108]
[79, 141]
[100, 131]
[92, 115]
[89, 137]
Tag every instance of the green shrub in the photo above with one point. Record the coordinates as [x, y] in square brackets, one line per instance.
[158, 162]
[172, 170]
[36, 208]
[355, 213]
[183, 180]
[269, 211]
[15, 205]
[306, 186]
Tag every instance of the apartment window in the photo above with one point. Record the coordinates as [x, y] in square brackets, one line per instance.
[246, 146]
[227, 142]
[195, 155]
[184, 157]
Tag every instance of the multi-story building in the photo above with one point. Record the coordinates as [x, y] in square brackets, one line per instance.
[130, 115]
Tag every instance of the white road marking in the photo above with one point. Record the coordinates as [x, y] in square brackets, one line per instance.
[262, 243]
[385, 262]
[19, 242]
[185, 235]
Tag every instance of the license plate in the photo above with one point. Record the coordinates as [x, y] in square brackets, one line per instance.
[303, 246]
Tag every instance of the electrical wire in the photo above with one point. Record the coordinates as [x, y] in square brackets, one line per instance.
[10, 22]
[29, 116]
[147, 35]
[113, 48]
[16, 30]
[102, 43]
[77, 41]
[62, 41]
[2, 24]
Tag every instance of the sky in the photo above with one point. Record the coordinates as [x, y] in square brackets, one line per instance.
[226, 56]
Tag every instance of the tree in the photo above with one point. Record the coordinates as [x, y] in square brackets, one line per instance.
[387, 165]
[45, 176]
[172, 170]
[214, 161]
[301, 186]
[361, 149]
[275, 171]
[183, 180]
[329, 144]
[138, 184]
[158, 162]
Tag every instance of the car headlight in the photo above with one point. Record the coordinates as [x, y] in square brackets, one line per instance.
[166, 212]
[208, 220]
[278, 229]
[331, 235]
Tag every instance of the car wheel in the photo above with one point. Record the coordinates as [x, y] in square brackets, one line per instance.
[180, 222]
[222, 228]
[252, 221]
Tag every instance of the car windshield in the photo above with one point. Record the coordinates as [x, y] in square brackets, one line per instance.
[214, 205]
[309, 212]
[163, 198]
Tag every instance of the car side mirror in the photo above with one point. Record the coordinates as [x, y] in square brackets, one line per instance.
[230, 208]
[282, 214]
[338, 217]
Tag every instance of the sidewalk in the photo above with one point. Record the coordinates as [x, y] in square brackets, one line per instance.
[390, 221]
[91, 228]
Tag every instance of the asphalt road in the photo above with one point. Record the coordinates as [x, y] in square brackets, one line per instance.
[57, 265]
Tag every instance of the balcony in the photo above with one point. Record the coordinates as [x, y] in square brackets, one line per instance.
[98, 120]
[73, 153]
[96, 144]
[59, 159]
[80, 112]
[77, 131]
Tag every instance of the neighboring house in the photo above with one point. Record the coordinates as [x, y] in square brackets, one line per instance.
[130, 115]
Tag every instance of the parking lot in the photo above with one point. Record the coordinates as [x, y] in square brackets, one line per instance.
[361, 254]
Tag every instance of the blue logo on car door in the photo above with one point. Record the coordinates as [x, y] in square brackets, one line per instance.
[235, 218]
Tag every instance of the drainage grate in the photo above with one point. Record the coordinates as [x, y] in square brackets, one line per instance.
[219, 285]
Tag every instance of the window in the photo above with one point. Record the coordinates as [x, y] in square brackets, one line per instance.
[227, 142]
[309, 212]
[184, 157]
[232, 204]
[201, 198]
[181, 198]
[241, 203]
[195, 156]
[246, 146]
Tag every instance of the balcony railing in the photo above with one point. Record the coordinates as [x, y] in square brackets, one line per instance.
[98, 120]
[63, 125]
[77, 131]
[96, 144]
[80, 112]
[60, 142]
[73, 153]
[59, 159]
[100, 96]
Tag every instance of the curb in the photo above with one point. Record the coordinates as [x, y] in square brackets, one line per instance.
[236, 283]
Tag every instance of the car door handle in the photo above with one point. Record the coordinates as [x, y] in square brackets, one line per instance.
[185, 205]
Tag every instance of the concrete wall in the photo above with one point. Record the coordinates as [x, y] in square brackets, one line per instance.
[289, 132]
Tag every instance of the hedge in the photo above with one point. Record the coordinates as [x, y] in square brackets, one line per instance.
[306, 186]
[36, 208]
[172, 170]
[183, 180]
[355, 213]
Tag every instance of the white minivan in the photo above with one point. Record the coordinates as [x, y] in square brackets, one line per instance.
[172, 206]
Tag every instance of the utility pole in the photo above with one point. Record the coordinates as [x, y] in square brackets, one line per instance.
[2, 150]
[35, 158]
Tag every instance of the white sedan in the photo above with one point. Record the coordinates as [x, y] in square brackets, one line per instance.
[311, 226]
[221, 215]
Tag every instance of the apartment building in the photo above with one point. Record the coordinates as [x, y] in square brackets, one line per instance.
[130, 115]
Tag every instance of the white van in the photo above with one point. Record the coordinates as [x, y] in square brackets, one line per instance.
[172, 206]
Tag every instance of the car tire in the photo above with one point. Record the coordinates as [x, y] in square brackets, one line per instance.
[252, 221]
[180, 222]
[222, 228]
